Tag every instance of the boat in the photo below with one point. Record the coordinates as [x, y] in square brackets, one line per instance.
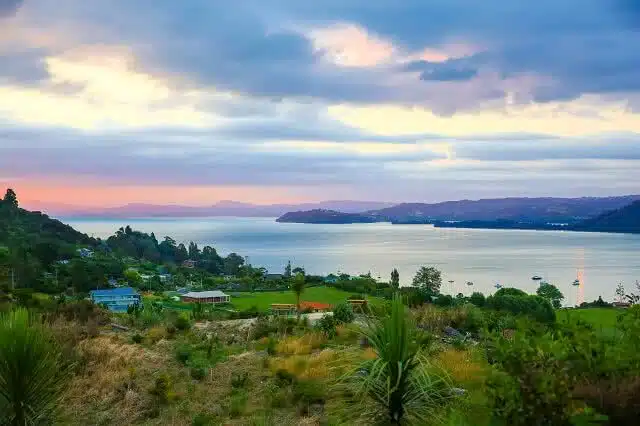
[498, 286]
[576, 283]
[536, 278]
[469, 283]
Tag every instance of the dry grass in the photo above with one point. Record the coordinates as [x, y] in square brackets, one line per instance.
[464, 367]
[113, 374]
[301, 345]
[155, 334]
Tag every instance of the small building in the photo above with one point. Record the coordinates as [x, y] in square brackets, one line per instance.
[189, 263]
[330, 279]
[85, 252]
[283, 309]
[358, 305]
[116, 299]
[164, 278]
[315, 306]
[212, 296]
[621, 304]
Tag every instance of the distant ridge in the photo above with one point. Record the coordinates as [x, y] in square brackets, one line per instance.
[626, 219]
[534, 212]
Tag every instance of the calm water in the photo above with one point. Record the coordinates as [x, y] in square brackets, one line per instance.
[484, 257]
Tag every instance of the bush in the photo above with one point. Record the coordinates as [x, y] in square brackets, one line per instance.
[137, 338]
[536, 307]
[198, 371]
[203, 420]
[182, 323]
[161, 389]
[239, 380]
[530, 383]
[343, 313]
[477, 299]
[183, 353]
[327, 325]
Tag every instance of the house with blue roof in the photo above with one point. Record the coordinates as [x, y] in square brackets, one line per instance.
[116, 299]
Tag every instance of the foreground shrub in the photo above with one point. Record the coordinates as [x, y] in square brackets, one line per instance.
[530, 384]
[327, 325]
[32, 371]
[343, 313]
[397, 380]
[182, 323]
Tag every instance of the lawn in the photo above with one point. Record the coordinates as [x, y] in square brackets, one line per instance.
[604, 318]
[263, 300]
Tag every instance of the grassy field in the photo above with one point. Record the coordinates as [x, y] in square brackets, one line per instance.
[604, 318]
[263, 301]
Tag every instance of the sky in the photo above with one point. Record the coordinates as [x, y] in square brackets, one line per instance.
[109, 102]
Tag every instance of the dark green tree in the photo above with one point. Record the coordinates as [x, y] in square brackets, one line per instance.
[551, 293]
[428, 279]
[477, 299]
[232, 264]
[287, 270]
[10, 198]
[395, 279]
[297, 286]
[194, 251]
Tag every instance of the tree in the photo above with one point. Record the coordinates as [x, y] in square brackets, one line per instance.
[181, 253]
[477, 299]
[32, 371]
[298, 270]
[620, 293]
[133, 277]
[428, 279]
[287, 270]
[10, 198]
[552, 294]
[194, 251]
[398, 380]
[297, 286]
[232, 264]
[510, 291]
[395, 279]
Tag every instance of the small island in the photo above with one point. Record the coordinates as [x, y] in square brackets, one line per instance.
[321, 216]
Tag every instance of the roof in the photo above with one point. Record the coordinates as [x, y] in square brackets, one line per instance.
[205, 294]
[122, 291]
[315, 305]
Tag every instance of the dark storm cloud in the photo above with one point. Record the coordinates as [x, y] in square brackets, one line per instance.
[9, 7]
[25, 67]
[611, 147]
[256, 46]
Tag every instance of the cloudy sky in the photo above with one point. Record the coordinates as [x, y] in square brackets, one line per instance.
[106, 102]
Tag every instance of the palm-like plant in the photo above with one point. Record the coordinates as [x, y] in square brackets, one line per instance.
[297, 286]
[397, 380]
[32, 373]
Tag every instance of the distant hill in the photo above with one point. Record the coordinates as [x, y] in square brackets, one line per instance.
[222, 208]
[319, 216]
[626, 219]
[565, 210]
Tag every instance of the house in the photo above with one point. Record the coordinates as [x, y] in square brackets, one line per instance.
[189, 263]
[116, 299]
[330, 279]
[85, 252]
[315, 306]
[211, 296]
[164, 278]
[358, 305]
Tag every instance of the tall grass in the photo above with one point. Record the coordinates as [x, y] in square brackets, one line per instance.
[32, 371]
[398, 382]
